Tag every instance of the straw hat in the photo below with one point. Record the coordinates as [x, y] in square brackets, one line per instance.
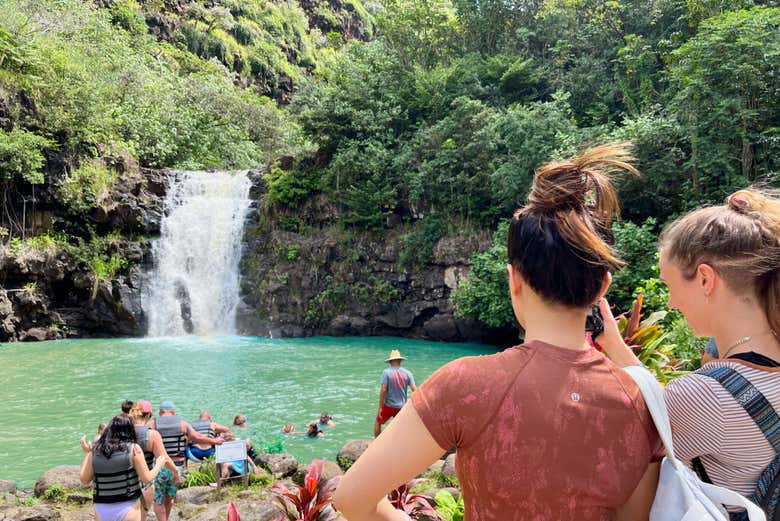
[395, 354]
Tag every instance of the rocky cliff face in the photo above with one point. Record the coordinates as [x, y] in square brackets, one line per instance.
[50, 291]
[325, 280]
[318, 279]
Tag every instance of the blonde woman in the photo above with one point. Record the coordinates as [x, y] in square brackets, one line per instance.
[722, 267]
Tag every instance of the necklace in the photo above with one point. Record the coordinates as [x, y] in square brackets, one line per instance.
[744, 340]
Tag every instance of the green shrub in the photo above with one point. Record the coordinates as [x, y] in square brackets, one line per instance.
[484, 295]
[293, 250]
[92, 185]
[448, 508]
[636, 245]
[54, 493]
[21, 155]
[289, 187]
[201, 477]
[418, 244]
[441, 480]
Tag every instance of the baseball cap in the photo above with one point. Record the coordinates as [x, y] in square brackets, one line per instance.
[167, 405]
[145, 406]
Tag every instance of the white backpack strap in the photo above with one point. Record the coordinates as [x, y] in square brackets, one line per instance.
[654, 398]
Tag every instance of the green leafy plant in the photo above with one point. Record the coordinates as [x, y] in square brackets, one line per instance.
[205, 474]
[276, 446]
[650, 343]
[54, 493]
[442, 480]
[449, 509]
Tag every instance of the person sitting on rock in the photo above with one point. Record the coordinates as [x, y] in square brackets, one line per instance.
[117, 468]
[206, 427]
[236, 468]
[175, 433]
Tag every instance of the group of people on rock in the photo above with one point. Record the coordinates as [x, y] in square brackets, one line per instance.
[554, 428]
[138, 459]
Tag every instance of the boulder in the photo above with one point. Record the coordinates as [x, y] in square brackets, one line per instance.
[441, 327]
[350, 452]
[39, 334]
[437, 465]
[280, 465]
[330, 470]
[196, 495]
[448, 469]
[33, 513]
[66, 476]
[7, 487]
[399, 316]
[79, 499]
[259, 510]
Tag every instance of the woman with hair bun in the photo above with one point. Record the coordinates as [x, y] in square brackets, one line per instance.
[550, 429]
[722, 267]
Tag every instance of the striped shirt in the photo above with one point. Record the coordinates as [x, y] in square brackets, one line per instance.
[708, 422]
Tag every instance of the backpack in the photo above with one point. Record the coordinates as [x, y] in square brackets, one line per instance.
[767, 493]
[681, 495]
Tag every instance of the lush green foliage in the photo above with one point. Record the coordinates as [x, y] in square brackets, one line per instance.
[448, 508]
[484, 295]
[21, 155]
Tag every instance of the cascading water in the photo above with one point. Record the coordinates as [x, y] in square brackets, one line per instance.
[194, 287]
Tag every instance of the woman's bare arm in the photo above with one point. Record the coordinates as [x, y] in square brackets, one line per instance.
[139, 464]
[401, 452]
[637, 508]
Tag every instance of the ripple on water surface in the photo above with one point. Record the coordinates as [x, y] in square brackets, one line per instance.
[54, 392]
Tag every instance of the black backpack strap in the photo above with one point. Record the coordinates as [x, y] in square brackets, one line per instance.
[698, 468]
[751, 399]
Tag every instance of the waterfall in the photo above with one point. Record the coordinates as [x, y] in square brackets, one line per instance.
[194, 285]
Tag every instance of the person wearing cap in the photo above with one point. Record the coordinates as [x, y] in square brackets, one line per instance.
[395, 381]
[175, 434]
[151, 443]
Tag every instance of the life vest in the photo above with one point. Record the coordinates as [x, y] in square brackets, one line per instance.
[204, 427]
[174, 440]
[142, 435]
[115, 478]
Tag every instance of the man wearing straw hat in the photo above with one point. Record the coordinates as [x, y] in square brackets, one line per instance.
[395, 380]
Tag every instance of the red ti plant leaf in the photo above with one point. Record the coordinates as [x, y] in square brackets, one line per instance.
[413, 505]
[310, 500]
[634, 317]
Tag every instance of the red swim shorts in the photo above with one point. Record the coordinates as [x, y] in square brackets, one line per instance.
[385, 413]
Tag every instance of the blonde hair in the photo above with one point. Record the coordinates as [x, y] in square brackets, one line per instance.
[740, 240]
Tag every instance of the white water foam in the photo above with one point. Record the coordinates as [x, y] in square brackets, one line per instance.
[194, 286]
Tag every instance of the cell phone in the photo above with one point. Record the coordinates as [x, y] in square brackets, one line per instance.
[594, 322]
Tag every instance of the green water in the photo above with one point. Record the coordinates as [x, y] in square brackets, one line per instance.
[51, 393]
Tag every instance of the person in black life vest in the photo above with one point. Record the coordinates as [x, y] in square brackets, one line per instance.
[152, 444]
[117, 467]
[206, 427]
[175, 434]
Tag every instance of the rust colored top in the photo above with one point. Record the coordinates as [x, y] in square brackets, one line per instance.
[542, 432]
